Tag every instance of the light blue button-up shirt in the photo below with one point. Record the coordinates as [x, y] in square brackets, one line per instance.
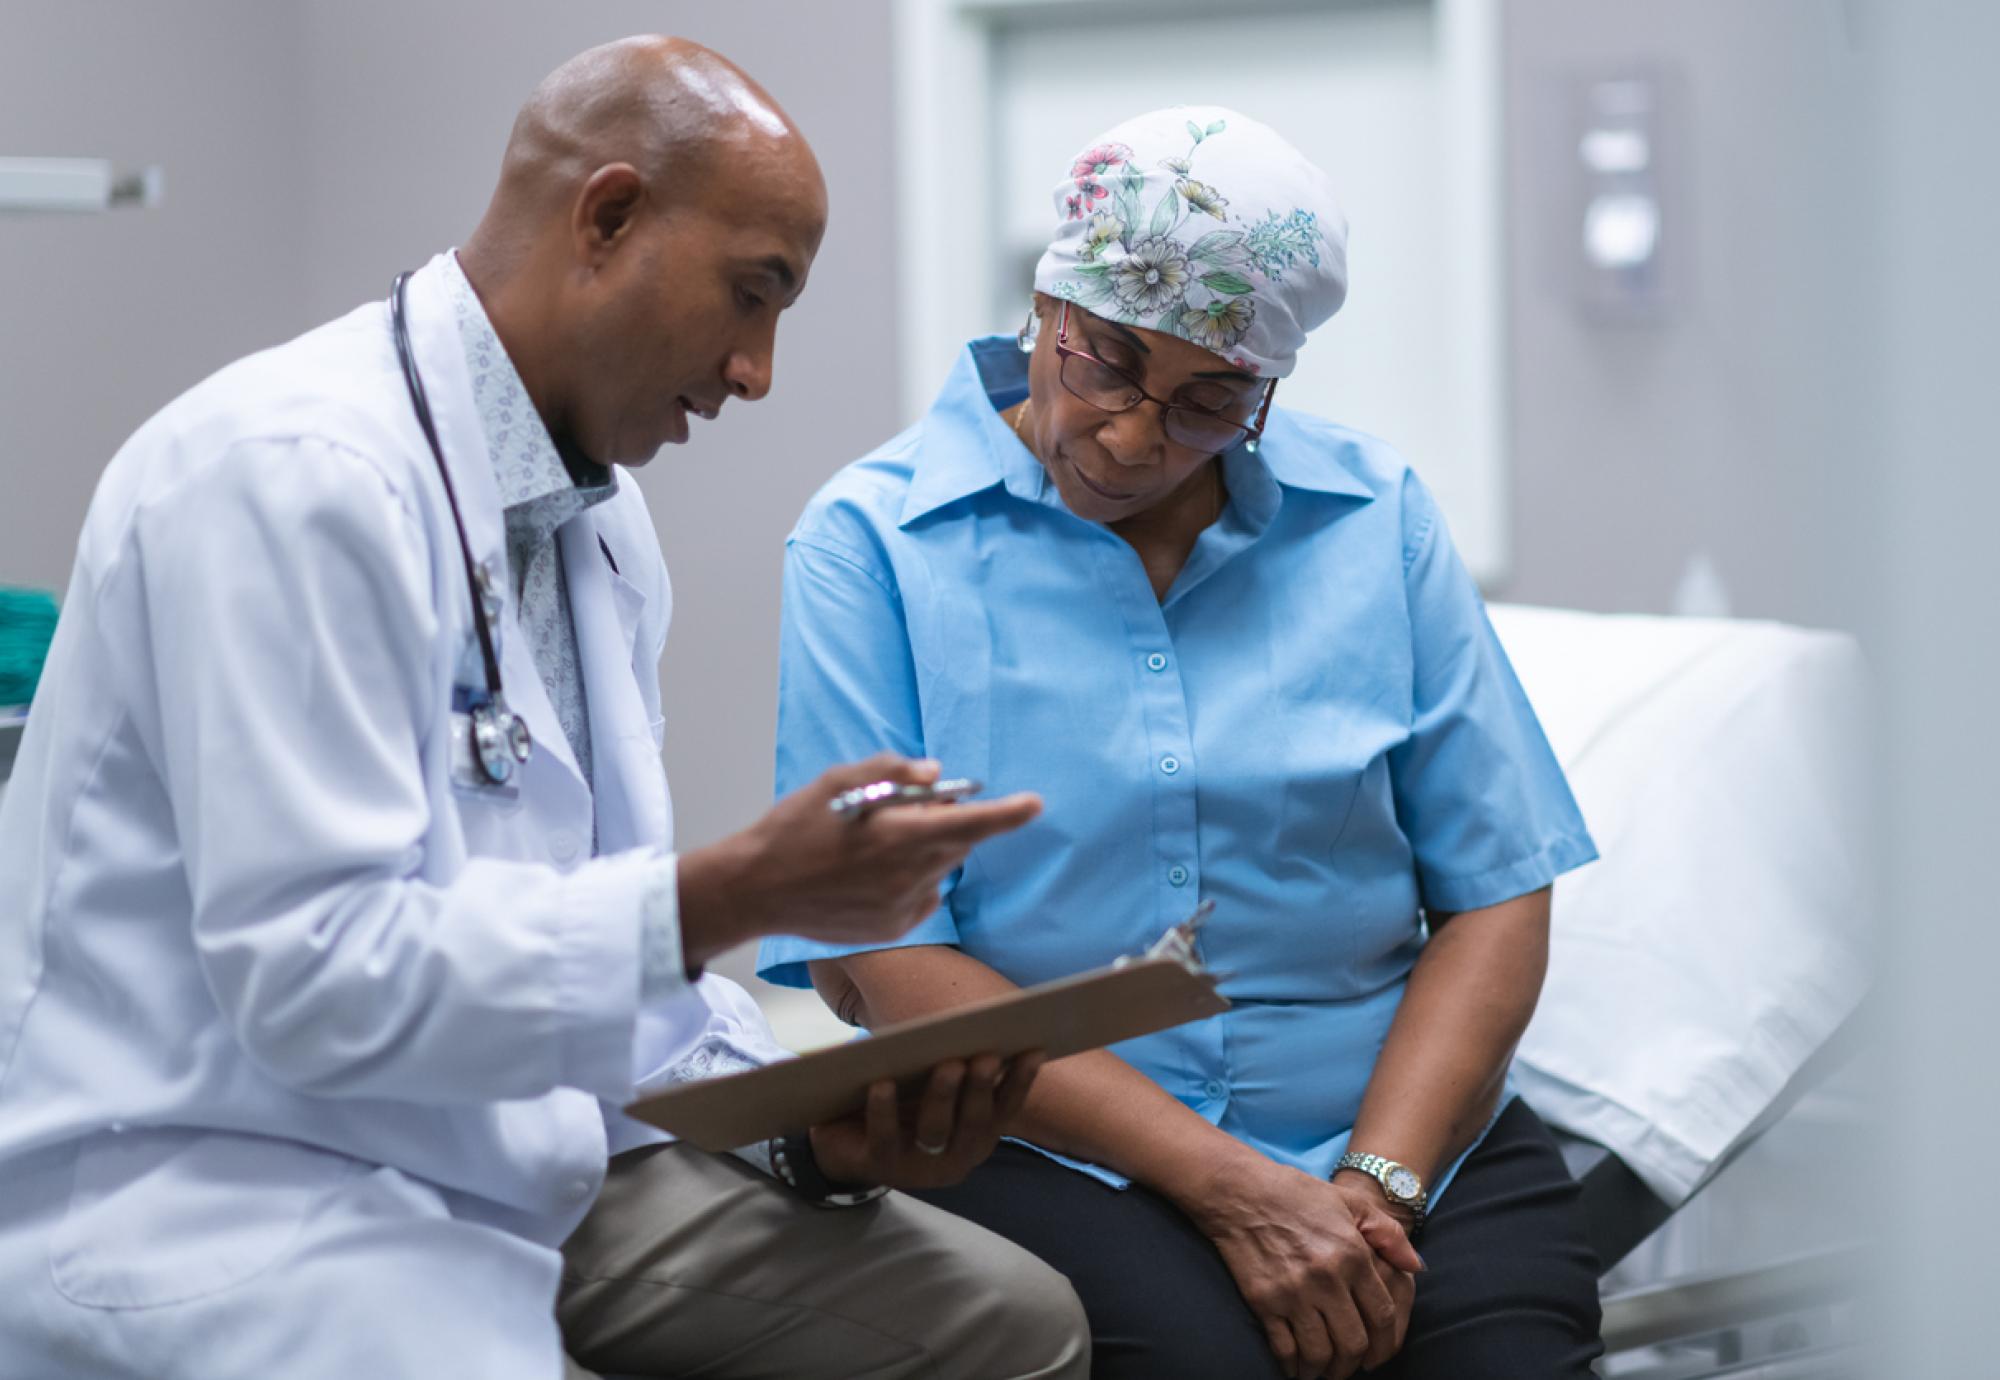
[1316, 729]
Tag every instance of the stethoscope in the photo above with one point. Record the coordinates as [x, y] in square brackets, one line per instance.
[500, 741]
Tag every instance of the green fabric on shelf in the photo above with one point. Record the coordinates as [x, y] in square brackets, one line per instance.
[27, 626]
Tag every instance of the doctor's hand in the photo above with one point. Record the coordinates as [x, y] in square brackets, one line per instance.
[804, 870]
[933, 1139]
[1331, 1276]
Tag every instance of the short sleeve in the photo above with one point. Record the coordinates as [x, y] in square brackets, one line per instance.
[847, 690]
[1478, 790]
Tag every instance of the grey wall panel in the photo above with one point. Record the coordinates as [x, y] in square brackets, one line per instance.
[1730, 426]
[106, 317]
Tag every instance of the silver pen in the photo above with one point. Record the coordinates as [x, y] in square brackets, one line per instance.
[876, 795]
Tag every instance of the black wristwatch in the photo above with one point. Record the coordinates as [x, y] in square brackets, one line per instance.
[793, 1160]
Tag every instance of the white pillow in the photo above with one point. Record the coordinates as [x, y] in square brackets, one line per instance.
[1719, 940]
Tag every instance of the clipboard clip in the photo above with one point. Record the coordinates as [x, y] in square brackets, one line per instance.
[1178, 943]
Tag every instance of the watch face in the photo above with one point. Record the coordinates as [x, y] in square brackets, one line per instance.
[1403, 1184]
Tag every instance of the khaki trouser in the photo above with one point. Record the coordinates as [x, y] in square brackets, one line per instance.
[699, 1267]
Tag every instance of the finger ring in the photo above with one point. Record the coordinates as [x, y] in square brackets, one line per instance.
[932, 1149]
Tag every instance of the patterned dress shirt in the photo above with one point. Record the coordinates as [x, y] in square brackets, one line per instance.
[538, 494]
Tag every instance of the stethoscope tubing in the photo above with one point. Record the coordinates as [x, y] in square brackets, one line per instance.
[513, 732]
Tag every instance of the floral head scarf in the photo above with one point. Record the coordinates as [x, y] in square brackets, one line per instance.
[1205, 224]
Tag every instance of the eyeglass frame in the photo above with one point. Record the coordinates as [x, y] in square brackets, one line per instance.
[1065, 351]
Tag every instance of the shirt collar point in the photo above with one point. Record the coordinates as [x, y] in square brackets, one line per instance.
[971, 448]
[1313, 456]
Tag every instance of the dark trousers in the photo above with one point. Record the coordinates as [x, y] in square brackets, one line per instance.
[1511, 1292]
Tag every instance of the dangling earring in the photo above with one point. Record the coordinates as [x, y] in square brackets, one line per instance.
[1251, 445]
[1030, 330]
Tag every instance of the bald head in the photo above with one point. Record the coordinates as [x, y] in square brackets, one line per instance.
[677, 112]
[656, 210]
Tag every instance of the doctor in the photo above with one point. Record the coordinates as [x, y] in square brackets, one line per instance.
[322, 974]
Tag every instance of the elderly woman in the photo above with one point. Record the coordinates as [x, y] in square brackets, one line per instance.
[1234, 649]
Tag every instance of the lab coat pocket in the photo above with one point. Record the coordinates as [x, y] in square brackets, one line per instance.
[166, 1216]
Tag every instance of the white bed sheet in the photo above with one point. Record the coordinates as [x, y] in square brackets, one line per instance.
[1721, 938]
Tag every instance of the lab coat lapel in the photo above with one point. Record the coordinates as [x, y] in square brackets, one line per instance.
[448, 385]
[630, 789]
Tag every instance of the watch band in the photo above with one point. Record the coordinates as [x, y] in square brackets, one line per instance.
[793, 1161]
[1382, 1169]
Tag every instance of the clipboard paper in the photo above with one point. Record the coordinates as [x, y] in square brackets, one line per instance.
[1067, 1016]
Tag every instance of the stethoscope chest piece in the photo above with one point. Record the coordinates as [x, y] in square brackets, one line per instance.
[500, 740]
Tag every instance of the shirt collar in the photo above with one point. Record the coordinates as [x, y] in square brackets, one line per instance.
[968, 447]
[526, 464]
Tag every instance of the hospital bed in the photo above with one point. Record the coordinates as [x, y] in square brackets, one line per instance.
[1698, 1045]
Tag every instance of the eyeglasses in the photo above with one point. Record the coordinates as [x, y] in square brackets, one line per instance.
[1111, 389]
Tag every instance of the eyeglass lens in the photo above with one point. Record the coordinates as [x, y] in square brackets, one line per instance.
[1104, 387]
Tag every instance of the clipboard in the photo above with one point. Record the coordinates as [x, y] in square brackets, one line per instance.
[1135, 996]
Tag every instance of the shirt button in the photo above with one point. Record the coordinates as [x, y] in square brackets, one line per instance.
[1216, 1089]
[1177, 874]
[562, 845]
[1170, 765]
[1156, 662]
[576, 1190]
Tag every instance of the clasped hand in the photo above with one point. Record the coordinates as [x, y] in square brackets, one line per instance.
[1326, 1267]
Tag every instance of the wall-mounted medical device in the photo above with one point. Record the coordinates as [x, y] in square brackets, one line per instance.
[75, 184]
[1625, 230]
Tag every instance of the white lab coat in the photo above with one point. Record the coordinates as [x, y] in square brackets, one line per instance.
[265, 972]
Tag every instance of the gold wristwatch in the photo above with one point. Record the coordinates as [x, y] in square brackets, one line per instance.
[1399, 1182]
